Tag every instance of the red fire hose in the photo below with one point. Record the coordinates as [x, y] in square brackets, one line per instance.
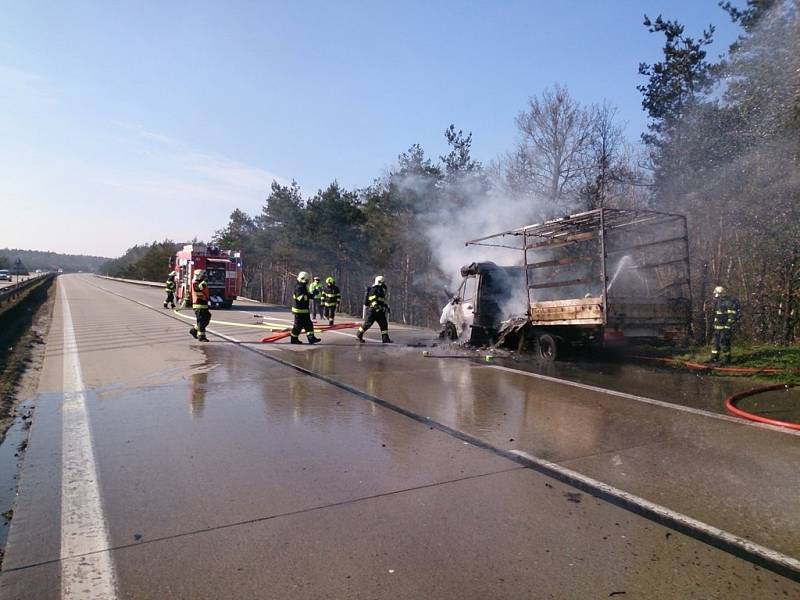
[287, 332]
[705, 367]
[730, 406]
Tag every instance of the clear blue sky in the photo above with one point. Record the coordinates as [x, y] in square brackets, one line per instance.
[126, 122]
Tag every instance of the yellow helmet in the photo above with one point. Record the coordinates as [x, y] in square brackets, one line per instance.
[330, 280]
[719, 291]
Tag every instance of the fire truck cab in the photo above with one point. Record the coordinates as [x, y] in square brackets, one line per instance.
[223, 273]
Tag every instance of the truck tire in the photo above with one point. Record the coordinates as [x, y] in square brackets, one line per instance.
[450, 332]
[547, 347]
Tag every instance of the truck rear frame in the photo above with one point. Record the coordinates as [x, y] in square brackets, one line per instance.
[602, 276]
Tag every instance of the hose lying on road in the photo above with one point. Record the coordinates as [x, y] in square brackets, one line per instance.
[287, 332]
[693, 366]
[730, 406]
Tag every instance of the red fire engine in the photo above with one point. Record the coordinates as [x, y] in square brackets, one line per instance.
[223, 273]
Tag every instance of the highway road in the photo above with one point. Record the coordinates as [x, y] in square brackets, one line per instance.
[14, 279]
[160, 467]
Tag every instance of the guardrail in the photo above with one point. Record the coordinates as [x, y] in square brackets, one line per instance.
[160, 285]
[11, 295]
[133, 281]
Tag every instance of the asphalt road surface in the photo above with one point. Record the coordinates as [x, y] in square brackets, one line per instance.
[160, 467]
[14, 278]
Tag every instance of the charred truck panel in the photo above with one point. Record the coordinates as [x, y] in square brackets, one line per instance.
[602, 276]
[486, 295]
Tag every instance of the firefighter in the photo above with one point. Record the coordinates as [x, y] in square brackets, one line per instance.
[377, 308]
[200, 297]
[331, 297]
[315, 295]
[302, 318]
[170, 290]
[726, 314]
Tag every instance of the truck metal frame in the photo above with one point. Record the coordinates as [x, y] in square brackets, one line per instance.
[578, 275]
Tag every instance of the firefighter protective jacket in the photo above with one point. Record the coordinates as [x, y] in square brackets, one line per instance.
[726, 313]
[200, 294]
[376, 297]
[331, 296]
[315, 290]
[170, 285]
[300, 299]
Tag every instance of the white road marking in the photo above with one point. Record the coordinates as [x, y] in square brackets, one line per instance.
[87, 568]
[610, 392]
[667, 515]
[671, 515]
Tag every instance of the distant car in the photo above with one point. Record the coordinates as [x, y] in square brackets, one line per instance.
[5, 275]
[38, 271]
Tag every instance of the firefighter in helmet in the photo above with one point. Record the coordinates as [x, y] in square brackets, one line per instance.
[169, 288]
[315, 295]
[200, 297]
[377, 309]
[302, 318]
[726, 314]
[331, 297]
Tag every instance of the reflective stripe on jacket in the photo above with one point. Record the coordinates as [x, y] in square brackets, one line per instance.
[331, 296]
[376, 297]
[726, 313]
[200, 294]
[300, 299]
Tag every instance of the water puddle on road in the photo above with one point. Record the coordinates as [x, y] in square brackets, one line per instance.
[12, 452]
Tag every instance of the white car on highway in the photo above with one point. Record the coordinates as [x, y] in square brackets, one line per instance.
[5, 275]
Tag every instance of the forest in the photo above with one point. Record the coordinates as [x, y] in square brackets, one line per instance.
[722, 147]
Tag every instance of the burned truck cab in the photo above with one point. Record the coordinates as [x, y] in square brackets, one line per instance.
[485, 298]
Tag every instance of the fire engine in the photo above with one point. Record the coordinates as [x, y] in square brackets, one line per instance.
[223, 270]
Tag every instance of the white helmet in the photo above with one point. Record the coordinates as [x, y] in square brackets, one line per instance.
[199, 273]
[379, 280]
[302, 277]
[719, 291]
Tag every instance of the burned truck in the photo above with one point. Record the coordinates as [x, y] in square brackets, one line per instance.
[588, 280]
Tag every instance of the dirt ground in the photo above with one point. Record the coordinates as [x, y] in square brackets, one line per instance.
[23, 342]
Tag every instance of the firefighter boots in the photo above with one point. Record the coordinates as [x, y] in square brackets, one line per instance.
[295, 340]
[360, 336]
[385, 339]
[193, 332]
[314, 340]
[202, 338]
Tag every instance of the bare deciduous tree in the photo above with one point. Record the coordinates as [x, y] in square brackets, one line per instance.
[555, 135]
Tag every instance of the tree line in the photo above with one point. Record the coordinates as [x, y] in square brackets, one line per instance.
[49, 261]
[722, 147]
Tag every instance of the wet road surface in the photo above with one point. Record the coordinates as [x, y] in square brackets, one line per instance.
[222, 473]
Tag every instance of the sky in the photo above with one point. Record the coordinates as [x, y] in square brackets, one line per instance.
[128, 122]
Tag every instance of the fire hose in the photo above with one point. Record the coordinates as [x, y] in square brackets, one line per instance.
[284, 333]
[730, 406]
[730, 401]
[693, 366]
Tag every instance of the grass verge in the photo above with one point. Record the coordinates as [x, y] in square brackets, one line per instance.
[755, 356]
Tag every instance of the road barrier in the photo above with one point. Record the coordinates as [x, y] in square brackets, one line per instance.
[12, 295]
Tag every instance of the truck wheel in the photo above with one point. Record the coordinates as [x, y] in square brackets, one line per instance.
[450, 332]
[547, 347]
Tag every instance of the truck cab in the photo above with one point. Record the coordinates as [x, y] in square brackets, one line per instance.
[489, 294]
